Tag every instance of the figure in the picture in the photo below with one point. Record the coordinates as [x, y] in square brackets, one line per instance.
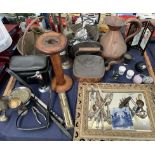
[139, 107]
[110, 111]
[124, 102]
[94, 109]
[121, 118]
[98, 114]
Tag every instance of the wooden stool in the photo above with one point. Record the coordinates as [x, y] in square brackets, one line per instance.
[52, 43]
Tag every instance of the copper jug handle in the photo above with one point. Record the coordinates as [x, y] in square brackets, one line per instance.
[139, 26]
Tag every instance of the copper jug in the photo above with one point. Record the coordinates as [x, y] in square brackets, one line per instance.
[113, 43]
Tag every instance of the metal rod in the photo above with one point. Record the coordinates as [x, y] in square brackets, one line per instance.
[66, 111]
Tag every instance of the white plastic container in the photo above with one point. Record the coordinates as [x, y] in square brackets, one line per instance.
[5, 38]
[130, 74]
[121, 70]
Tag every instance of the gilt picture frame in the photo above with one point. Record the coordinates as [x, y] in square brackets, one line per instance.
[115, 112]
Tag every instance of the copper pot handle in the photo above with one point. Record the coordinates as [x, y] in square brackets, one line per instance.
[110, 64]
[113, 62]
[139, 26]
[88, 49]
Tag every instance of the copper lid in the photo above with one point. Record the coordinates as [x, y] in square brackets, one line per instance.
[89, 66]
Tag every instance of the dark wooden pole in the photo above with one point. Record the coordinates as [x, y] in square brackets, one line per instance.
[56, 62]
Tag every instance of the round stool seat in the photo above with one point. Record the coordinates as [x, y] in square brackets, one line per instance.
[51, 43]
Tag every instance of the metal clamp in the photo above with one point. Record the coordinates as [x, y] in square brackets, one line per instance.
[36, 112]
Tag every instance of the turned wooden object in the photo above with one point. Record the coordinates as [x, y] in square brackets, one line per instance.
[10, 85]
[149, 66]
[52, 43]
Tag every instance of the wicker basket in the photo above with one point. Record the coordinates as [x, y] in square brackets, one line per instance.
[26, 44]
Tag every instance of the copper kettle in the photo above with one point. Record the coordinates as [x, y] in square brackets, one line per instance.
[113, 42]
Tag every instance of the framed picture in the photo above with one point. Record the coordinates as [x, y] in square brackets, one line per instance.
[141, 40]
[115, 112]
